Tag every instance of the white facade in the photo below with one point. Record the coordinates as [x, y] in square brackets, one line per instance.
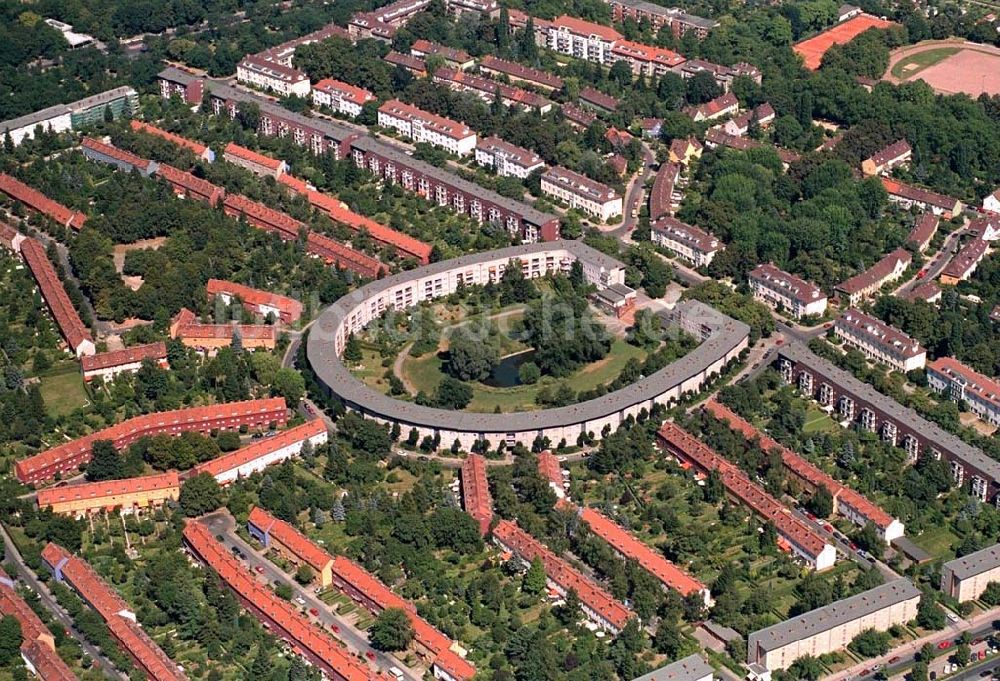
[879, 341]
[590, 47]
[109, 373]
[420, 126]
[274, 77]
[776, 288]
[507, 160]
[59, 122]
[340, 99]
[690, 243]
[269, 459]
[577, 191]
[992, 202]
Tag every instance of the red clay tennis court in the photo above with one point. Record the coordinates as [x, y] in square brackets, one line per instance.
[813, 49]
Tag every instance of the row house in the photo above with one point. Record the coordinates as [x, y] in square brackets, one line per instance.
[507, 159]
[340, 255]
[658, 16]
[281, 617]
[272, 76]
[794, 535]
[38, 647]
[578, 191]
[415, 65]
[688, 242]
[11, 238]
[102, 152]
[72, 328]
[847, 502]
[453, 58]
[421, 126]
[718, 137]
[597, 604]
[256, 301]
[923, 231]
[979, 393]
[188, 186]
[883, 161]
[128, 496]
[109, 365]
[258, 164]
[281, 537]
[264, 452]
[595, 99]
[449, 190]
[209, 338]
[118, 616]
[832, 627]
[476, 498]
[724, 105]
[762, 116]
[342, 97]
[986, 227]
[68, 457]
[965, 262]
[200, 151]
[552, 472]
[783, 291]
[908, 196]
[854, 402]
[723, 75]
[382, 23]
[880, 342]
[40, 203]
[518, 73]
[646, 60]
[870, 282]
[927, 291]
[488, 90]
[578, 117]
[662, 197]
[966, 578]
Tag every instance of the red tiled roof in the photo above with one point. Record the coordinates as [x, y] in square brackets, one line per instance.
[353, 93]
[893, 152]
[8, 233]
[460, 80]
[562, 573]
[794, 286]
[924, 291]
[47, 662]
[877, 273]
[117, 358]
[260, 448]
[626, 544]
[293, 183]
[197, 331]
[549, 468]
[407, 61]
[140, 126]
[321, 646]
[663, 188]
[290, 538]
[714, 107]
[448, 53]
[577, 115]
[923, 230]
[65, 315]
[110, 606]
[340, 255]
[115, 153]
[253, 296]
[476, 499]
[191, 184]
[36, 200]
[36, 637]
[975, 383]
[740, 486]
[96, 491]
[920, 195]
[68, 456]
[598, 98]
[233, 149]
[800, 466]
[649, 53]
[695, 237]
[963, 263]
[442, 125]
[586, 28]
[263, 217]
[516, 70]
[876, 332]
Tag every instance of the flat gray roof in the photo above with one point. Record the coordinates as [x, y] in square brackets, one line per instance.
[690, 668]
[833, 615]
[50, 112]
[726, 334]
[975, 563]
[958, 448]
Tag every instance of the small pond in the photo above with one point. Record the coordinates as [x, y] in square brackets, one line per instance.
[505, 374]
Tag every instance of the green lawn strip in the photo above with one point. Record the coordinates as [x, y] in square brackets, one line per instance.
[63, 390]
[921, 60]
[937, 541]
[818, 421]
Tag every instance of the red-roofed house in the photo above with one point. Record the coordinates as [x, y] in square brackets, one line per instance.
[10, 237]
[476, 499]
[38, 647]
[992, 202]
[200, 150]
[880, 342]
[188, 186]
[596, 99]
[456, 59]
[868, 283]
[39, 202]
[507, 159]
[256, 301]
[266, 74]
[579, 38]
[661, 196]
[69, 456]
[487, 89]
[97, 150]
[883, 161]
[68, 320]
[129, 495]
[281, 617]
[258, 164]
[686, 241]
[724, 105]
[265, 452]
[209, 338]
[965, 385]
[551, 471]
[342, 97]
[599, 606]
[778, 288]
[964, 263]
[419, 126]
[518, 73]
[645, 60]
[116, 613]
[276, 534]
[923, 231]
[683, 151]
[907, 196]
[108, 365]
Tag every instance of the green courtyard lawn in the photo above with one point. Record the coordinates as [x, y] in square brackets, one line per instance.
[818, 421]
[63, 390]
[937, 541]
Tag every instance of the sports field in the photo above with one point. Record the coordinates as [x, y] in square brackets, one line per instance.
[948, 66]
[813, 49]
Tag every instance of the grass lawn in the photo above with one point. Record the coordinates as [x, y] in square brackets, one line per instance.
[63, 390]
[425, 373]
[818, 421]
[915, 63]
[938, 542]
[370, 370]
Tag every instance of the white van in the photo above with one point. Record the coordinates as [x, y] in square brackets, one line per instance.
[396, 673]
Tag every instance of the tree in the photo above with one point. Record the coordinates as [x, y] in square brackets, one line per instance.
[105, 462]
[668, 639]
[304, 574]
[352, 349]
[470, 356]
[929, 615]
[391, 631]
[452, 393]
[821, 503]
[569, 611]
[870, 643]
[200, 494]
[962, 654]
[991, 594]
[868, 539]
[10, 640]
[288, 383]
[534, 578]
[529, 373]
[806, 668]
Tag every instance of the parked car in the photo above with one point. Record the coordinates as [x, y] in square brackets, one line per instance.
[314, 612]
[944, 645]
[334, 628]
[894, 659]
[300, 600]
[259, 569]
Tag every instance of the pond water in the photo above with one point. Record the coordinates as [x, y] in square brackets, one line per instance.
[505, 373]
